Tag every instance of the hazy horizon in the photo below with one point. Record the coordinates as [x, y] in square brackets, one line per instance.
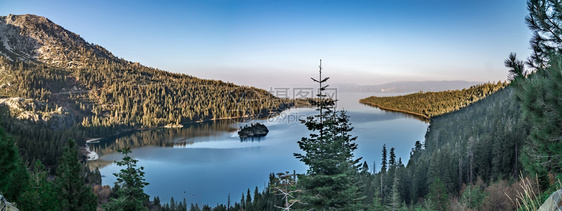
[279, 43]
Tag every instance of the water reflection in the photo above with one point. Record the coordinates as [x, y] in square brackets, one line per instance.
[209, 159]
[164, 137]
[396, 115]
[252, 139]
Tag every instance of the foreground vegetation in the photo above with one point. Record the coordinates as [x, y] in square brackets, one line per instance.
[430, 104]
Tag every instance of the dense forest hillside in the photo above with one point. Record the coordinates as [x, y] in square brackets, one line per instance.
[430, 104]
[54, 85]
[481, 141]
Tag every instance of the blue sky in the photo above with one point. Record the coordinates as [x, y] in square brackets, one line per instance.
[279, 42]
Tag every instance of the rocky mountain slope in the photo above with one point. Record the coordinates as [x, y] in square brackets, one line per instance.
[58, 66]
[55, 85]
[36, 38]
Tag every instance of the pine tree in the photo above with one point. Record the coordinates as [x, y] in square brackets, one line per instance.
[14, 174]
[540, 99]
[72, 192]
[382, 174]
[395, 202]
[243, 202]
[330, 180]
[377, 202]
[540, 95]
[284, 184]
[156, 201]
[545, 20]
[40, 193]
[248, 201]
[383, 163]
[258, 201]
[392, 160]
[366, 185]
[438, 195]
[516, 67]
[131, 182]
[172, 204]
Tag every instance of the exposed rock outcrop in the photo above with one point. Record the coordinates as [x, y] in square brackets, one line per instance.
[38, 112]
[37, 39]
[553, 203]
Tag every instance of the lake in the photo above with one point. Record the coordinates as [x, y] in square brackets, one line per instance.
[206, 162]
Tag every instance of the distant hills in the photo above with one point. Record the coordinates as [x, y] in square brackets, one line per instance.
[407, 86]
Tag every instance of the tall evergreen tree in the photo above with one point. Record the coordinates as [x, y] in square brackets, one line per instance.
[542, 109]
[14, 174]
[248, 201]
[438, 195]
[131, 182]
[40, 193]
[156, 201]
[173, 204]
[382, 174]
[377, 202]
[383, 163]
[72, 192]
[330, 182]
[540, 95]
[392, 160]
[395, 202]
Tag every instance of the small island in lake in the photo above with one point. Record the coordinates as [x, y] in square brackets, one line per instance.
[254, 130]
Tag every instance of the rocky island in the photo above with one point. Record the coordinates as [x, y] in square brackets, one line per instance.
[254, 130]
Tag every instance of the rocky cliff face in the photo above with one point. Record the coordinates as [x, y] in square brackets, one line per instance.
[35, 38]
[34, 111]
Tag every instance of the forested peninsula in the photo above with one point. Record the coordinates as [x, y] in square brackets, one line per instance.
[429, 104]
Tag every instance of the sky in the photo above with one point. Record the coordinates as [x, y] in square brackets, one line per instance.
[267, 43]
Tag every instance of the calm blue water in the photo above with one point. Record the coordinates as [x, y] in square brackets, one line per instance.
[204, 163]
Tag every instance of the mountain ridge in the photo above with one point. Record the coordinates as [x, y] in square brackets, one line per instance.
[37, 39]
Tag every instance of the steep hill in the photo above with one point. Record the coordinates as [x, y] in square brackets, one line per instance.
[482, 140]
[47, 71]
[36, 38]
